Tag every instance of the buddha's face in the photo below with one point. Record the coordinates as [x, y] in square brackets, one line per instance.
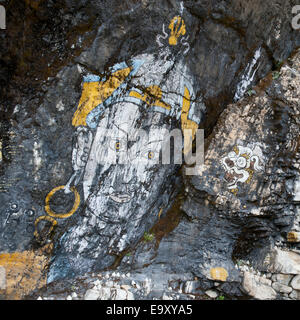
[122, 160]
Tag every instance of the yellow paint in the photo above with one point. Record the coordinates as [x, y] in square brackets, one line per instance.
[95, 93]
[152, 97]
[236, 150]
[292, 237]
[219, 274]
[25, 271]
[185, 122]
[251, 172]
[177, 27]
[246, 156]
[150, 155]
[53, 221]
[62, 215]
[160, 212]
[234, 191]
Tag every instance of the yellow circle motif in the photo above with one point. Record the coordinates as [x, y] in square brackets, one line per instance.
[117, 145]
[62, 215]
[53, 221]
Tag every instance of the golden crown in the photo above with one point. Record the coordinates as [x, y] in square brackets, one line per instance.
[177, 27]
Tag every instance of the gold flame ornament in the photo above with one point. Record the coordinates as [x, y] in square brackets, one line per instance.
[177, 27]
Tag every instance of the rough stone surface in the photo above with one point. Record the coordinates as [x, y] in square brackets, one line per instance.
[257, 290]
[282, 278]
[285, 262]
[232, 68]
[295, 283]
[92, 294]
[211, 293]
[295, 295]
[282, 288]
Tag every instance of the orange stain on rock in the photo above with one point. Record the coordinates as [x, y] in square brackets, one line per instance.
[25, 272]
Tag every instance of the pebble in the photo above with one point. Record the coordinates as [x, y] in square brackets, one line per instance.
[281, 287]
[296, 282]
[211, 293]
[91, 294]
[97, 282]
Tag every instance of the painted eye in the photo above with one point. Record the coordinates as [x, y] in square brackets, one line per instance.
[241, 162]
[151, 155]
[117, 145]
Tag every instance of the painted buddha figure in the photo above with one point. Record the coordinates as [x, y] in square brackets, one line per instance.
[124, 185]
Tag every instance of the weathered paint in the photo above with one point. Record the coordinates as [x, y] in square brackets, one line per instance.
[177, 27]
[95, 93]
[219, 274]
[62, 215]
[25, 272]
[240, 165]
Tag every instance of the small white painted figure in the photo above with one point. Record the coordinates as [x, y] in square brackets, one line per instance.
[240, 165]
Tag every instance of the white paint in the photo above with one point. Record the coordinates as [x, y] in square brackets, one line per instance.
[60, 106]
[51, 122]
[181, 7]
[16, 109]
[297, 190]
[37, 159]
[248, 77]
[278, 30]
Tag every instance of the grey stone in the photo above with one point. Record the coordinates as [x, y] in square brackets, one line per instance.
[295, 283]
[2, 278]
[281, 287]
[105, 293]
[92, 294]
[118, 294]
[212, 293]
[286, 262]
[256, 289]
[282, 278]
[295, 295]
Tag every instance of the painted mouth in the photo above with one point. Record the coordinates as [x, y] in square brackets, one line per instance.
[231, 176]
[120, 197]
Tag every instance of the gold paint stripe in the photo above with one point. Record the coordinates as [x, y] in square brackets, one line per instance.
[185, 122]
[95, 93]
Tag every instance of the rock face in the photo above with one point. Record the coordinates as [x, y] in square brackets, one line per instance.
[88, 104]
[256, 289]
